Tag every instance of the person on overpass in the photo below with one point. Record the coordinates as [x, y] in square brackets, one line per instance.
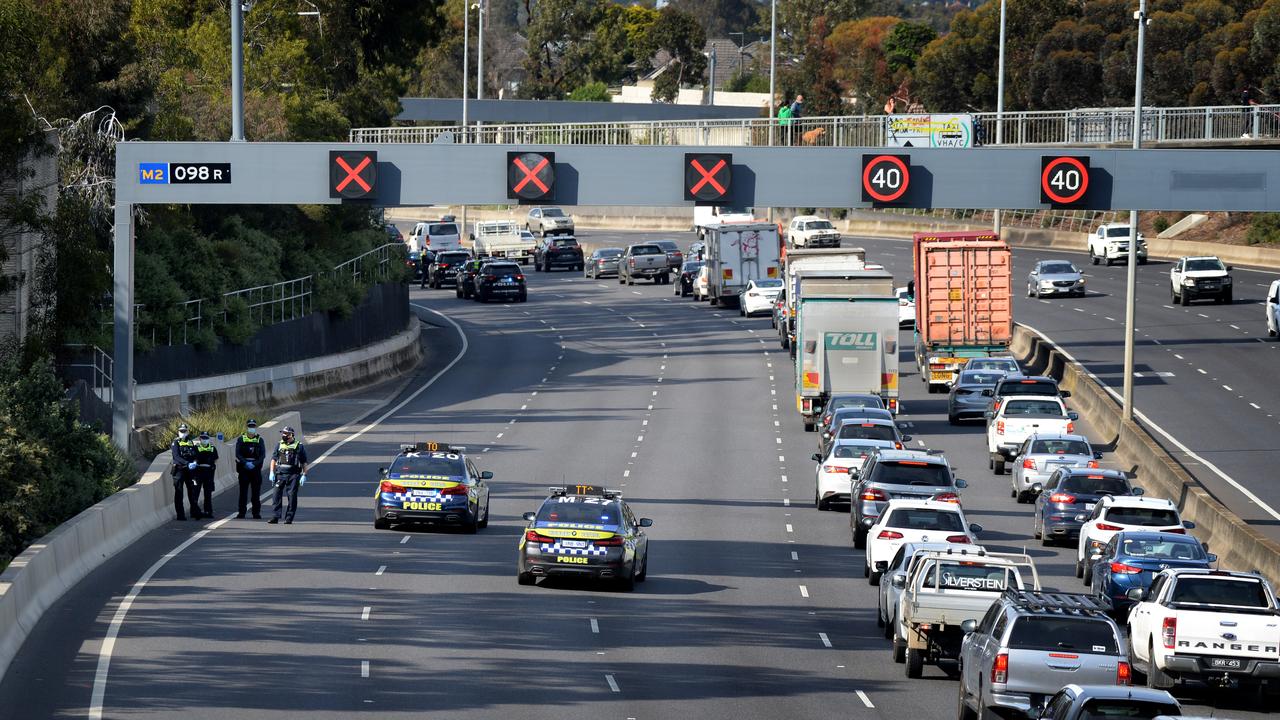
[182, 469]
[251, 453]
[288, 474]
[206, 469]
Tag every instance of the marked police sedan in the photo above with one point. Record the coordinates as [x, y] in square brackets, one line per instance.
[584, 531]
[432, 482]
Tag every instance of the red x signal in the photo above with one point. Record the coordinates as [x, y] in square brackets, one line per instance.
[708, 176]
[531, 175]
[354, 174]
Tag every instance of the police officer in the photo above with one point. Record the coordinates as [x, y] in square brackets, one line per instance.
[183, 451]
[251, 453]
[206, 467]
[288, 473]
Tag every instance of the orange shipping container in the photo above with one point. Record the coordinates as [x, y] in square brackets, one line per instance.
[963, 290]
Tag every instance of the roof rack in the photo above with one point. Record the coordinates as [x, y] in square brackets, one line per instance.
[1056, 602]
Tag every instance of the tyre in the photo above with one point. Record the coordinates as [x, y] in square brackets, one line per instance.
[1093, 258]
[526, 578]
[1183, 298]
[888, 628]
[485, 522]
[1226, 299]
[1030, 292]
[880, 618]
[469, 526]
[1079, 568]
[1088, 576]
[580, 268]
[628, 583]
[524, 297]
[915, 663]
[1155, 677]
[809, 426]
[381, 524]
[998, 467]
[859, 538]
[742, 312]
[899, 650]
[952, 419]
[963, 711]
[630, 280]
[1109, 261]
[644, 567]
[866, 568]
[458, 291]
[874, 577]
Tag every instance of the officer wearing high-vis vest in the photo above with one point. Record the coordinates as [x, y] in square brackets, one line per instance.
[288, 474]
[206, 469]
[251, 453]
[183, 471]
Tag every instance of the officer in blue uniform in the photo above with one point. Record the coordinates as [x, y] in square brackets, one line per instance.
[206, 470]
[251, 454]
[288, 473]
[183, 471]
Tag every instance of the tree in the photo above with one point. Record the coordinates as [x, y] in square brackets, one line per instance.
[815, 76]
[559, 46]
[679, 34]
[720, 17]
[796, 19]
[592, 92]
[904, 44]
[860, 61]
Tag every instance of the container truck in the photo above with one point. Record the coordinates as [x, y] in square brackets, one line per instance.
[738, 253]
[846, 339]
[963, 302]
[796, 262]
[502, 238]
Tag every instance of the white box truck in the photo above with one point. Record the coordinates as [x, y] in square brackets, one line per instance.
[705, 216]
[812, 260]
[737, 254]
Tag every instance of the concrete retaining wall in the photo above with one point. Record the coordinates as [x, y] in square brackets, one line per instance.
[56, 562]
[1238, 546]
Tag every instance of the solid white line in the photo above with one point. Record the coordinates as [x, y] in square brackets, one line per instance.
[364, 614]
[595, 626]
[865, 700]
[364, 668]
[381, 569]
[804, 591]
[613, 684]
[404, 539]
[826, 641]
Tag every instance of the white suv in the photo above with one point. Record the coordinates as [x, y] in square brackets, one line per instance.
[1118, 513]
[1273, 308]
[810, 231]
[1110, 243]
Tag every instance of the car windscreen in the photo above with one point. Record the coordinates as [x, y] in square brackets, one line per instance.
[452, 258]
[925, 519]
[1056, 634]
[647, 250]
[502, 269]
[852, 451]
[692, 266]
[1206, 264]
[868, 431]
[442, 229]
[818, 225]
[1028, 387]
[1122, 231]
[609, 252]
[769, 284]
[1163, 549]
[844, 414]
[992, 364]
[1032, 407]
[980, 377]
[1061, 447]
[566, 242]
[846, 401]
[436, 463]
[552, 212]
[1105, 709]
[1144, 517]
[1095, 485]
[1219, 591]
[1060, 268]
[911, 472]
[969, 576]
[668, 245]
[573, 510]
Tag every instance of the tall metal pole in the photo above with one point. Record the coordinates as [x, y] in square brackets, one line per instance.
[773, 65]
[237, 71]
[466, 89]
[122, 330]
[711, 85]
[1000, 92]
[480, 50]
[1131, 279]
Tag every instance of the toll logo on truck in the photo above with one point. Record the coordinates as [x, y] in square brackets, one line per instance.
[863, 341]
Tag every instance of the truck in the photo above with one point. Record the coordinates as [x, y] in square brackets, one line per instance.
[1193, 278]
[1018, 418]
[964, 303]
[846, 339]
[738, 253]
[644, 260]
[944, 590]
[502, 238]
[706, 216]
[1213, 626]
[1109, 243]
[795, 262]
[811, 231]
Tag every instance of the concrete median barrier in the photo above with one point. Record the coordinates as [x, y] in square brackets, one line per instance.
[38, 577]
[1136, 450]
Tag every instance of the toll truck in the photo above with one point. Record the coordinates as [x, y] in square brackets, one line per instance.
[846, 339]
[799, 261]
[738, 253]
[963, 302]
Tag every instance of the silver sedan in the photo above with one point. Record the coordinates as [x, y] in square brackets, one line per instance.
[602, 263]
[1055, 277]
[1041, 455]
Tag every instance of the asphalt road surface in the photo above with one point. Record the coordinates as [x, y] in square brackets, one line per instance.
[754, 607]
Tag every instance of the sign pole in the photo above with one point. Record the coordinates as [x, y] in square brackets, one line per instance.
[122, 330]
[1000, 96]
[1131, 279]
[237, 71]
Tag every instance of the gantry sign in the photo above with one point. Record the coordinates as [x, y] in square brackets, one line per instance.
[390, 175]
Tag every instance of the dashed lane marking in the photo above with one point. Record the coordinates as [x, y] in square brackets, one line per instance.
[865, 700]
[364, 614]
[364, 668]
[595, 626]
[381, 569]
[826, 641]
[404, 539]
[804, 591]
[795, 555]
[1227, 388]
[1255, 406]
[1201, 371]
[789, 528]
[613, 684]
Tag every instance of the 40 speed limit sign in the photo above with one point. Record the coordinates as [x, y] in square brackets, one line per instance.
[885, 178]
[1064, 180]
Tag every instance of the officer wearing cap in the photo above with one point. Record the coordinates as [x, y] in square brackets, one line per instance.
[183, 452]
[288, 473]
[206, 468]
[251, 453]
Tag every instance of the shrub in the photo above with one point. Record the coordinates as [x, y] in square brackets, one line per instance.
[1264, 230]
[216, 419]
[1160, 224]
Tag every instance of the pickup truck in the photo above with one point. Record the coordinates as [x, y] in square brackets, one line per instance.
[1214, 626]
[1110, 243]
[945, 589]
[1020, 417]
[811, 231]
[1193, 278]
[644, 260]
[502, 239]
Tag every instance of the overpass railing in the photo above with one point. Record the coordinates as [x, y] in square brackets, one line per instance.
[1086, 126]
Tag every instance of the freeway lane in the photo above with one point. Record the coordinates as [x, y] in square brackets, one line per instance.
[754, 607]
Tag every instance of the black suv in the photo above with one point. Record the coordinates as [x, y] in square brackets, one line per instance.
[559, 251]
[444, 271]
[502, 280]
[465, 279]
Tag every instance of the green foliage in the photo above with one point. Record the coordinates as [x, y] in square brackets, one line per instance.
[815, 76]
[1264, 230]
[750, 82]
[905, 42]
[213, 420]
[720, 17]
[52, 466]
[1161, 223]
[679, 34]
[591, 92]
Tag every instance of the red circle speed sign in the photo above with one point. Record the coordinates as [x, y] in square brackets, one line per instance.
[885, 178]
[1064, 180]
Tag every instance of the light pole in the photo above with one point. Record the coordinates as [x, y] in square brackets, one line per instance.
[1000, 94]
[466, 65]
[711, 79]
[742, 48]
[773, 63]
[237, 71]
[1131, 278]
[479, 49]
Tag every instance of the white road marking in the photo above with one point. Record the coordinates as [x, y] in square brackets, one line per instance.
[782, 458]
[626, 473]
[1203, 315]
[1078, 309]
[1227, 388]
[865, 700]
[381, 569]
[633, 454]
[777, 424]
[795, 555]
[639, 438]
[779, 440]
[499, 437]
[522, 407]
[613, 684]
[586, 302]
[364, 614]
[784, 478]
[1201, 371]
[644, 422]
[1109, 318]
[804, 591]
[364, 668]
[1169, 307]
[595, 626]
[1179, 356]
[789, 528]
[635, 292]
[1235, 327]
[1255, 406]
[404, 539]
[786, 502]
[826, 641]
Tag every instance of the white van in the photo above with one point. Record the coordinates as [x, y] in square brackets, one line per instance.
[435, 235]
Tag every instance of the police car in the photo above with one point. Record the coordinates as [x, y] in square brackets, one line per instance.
[431, 482]
[584, 531]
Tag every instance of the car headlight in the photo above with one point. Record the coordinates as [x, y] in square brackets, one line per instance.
[1046, 283]
[1226, 280]
[1188, 282]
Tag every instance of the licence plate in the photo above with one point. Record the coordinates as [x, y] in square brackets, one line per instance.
[574, 543]
[1089, 506]
[1226, 663]
[939, 375]
[421, 493]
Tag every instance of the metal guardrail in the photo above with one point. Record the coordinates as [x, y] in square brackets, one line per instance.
[1085, 126]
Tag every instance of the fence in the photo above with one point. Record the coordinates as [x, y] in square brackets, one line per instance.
[1086, 126]
[1065, 220]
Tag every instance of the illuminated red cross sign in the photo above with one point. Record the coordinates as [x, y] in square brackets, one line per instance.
[531, 176]
[708, 177]
[353, 174]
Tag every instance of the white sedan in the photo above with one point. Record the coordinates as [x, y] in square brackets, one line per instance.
[906, 307]
[833, 484]
[919, 521]
[1273, 309]
[1118, 513]
[758, 297]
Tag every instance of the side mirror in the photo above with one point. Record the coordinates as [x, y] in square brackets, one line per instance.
[529, 517]
[1037, 488]
[816, 457]
[906, 438]
[1097, 454]
[969, 626]
[899, 581]
[962, 484]
[1096, 555]
[868, 522]
[1230, 268]
[1273, 300]
[1211, 558]
[1138, 491]
[382, 472]
[882, 565]
[646, 522]
[854, 473]
[486, 475]
[1064, 393]
[1081, 518]
[1073, 415]
[989, 415]
[975, 528]
[988, 393]
[1135, 594]
[1188, 525]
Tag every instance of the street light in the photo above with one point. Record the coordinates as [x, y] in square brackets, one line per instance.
[237, 69]
[1131, 278]
[773, 61]
[1000, 94]
[466, 70]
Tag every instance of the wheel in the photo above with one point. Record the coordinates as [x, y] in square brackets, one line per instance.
[742, 312]
[953, 420]
[820, 503]
[526, 578]
[628, 583]
[866, 568]
[1226, 299]
[1093, 258]
[963, 711]
[524, 297]
[1184, 298]
[580, 268]
[1109, 261]
[915, 663]
[644, 567]
[458, 291]
[998, 467]
[1079, 568]
[1030, 292]
[809, 426]
[485, 522]
[1271, 333]
[1155, 677]
[381, 524]
[1088, 576]
[630, 280]
[621, 280]
[859, 538]
[899, 650]
[874, 578]
[889, 623]
[469, 526]
[880, 618]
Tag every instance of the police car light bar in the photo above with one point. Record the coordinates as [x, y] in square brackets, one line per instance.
[590, 490]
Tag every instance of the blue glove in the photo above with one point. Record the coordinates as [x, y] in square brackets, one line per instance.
[191, 466]
[248, 464]
[302, 480]
[273, 477]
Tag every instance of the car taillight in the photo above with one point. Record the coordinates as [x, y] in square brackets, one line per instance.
[874, 494]
[1071, 427]
[1122, 569]
[1028, 464]
[520, 277]
[1124, 674]
[1000, 670]
[826, 420]
[897, 446]
[1179, 531]
[889, 535]
[533, 536]
[995, 405]
[490, 278]
[1092, 464]
[1062, 498]
[455, 490]
[612, 541]
[388, 486]
[1168, 632]
[835, 469]
[999, 427]
[948, 497]
[1107, 527]
[959, 539]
